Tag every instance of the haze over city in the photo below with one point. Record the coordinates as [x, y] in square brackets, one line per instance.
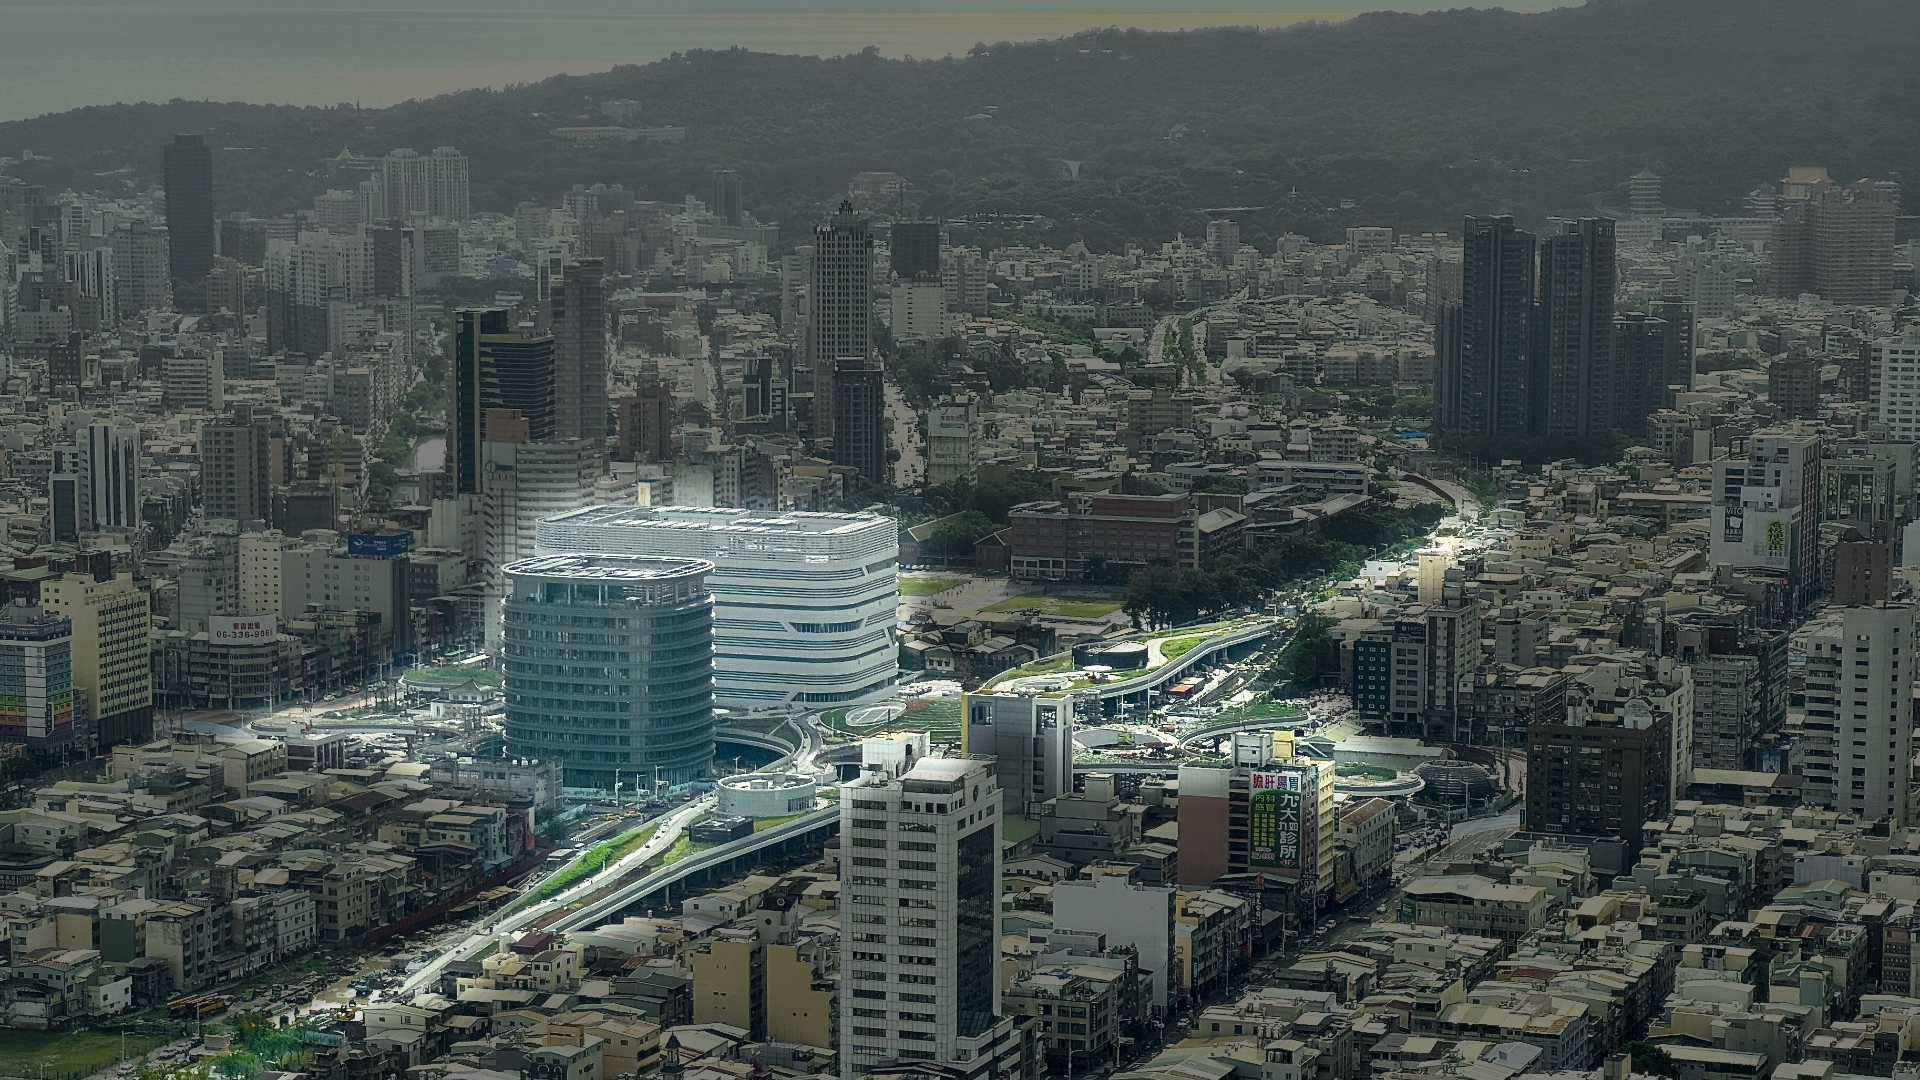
[63, 56]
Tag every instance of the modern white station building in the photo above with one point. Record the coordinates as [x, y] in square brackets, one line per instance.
[804, 603]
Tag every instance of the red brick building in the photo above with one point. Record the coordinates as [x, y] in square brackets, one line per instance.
[1057, 540]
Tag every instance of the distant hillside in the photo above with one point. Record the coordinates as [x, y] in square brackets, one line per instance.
[1415, 118]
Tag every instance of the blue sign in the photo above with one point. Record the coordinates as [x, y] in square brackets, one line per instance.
[379, 545]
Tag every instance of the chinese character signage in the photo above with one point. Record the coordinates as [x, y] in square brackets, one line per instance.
[241, 629]
[1276, 810]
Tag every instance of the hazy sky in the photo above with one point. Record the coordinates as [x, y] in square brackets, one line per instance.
[56, 56]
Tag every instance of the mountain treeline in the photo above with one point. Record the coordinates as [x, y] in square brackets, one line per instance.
[1407, 120]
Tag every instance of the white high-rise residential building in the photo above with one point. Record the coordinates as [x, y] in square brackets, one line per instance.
[109, 469]
[1766, 509]
[1896, 362]
[91, 272]
[952, 426]
[804, 603]
[259, 568]
[920, 914]
[413, 186]
[95, 484]
[334, 209]
[1856, 747]
[919, 310]
[142, 281]
[524, 483]
[1706, 279]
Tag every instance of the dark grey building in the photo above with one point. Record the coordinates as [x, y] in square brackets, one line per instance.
[1573, 381]
[860, 418]
[1483, 376]
[188, 175]
[840, 324]
[578, 308]
[726, 196]
[1639, 370]
[916, 249]
[496, 365]
[1679, 317]
[609, 666]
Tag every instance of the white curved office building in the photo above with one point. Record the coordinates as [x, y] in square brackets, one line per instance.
[804, 603]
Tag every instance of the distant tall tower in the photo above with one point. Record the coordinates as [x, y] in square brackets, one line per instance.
[142, 269]
[1639, 370]
[645, 422]
[110, 476]
[840, 323]
[726, 196]
[434, 186]
[495, 366]
[236, 467]
[188, 174]
[1837, 242]
[1223, 240]
[1483, 344]
[1573, 359]
[1679, 316]
[579, 315]
[860, 419]
[1645, 194]
[916, 249]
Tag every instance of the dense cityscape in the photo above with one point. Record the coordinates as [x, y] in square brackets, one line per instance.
[620, 635]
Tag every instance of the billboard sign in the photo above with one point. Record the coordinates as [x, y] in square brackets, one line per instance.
[378, 545]
[1274, 815]
[241, 629]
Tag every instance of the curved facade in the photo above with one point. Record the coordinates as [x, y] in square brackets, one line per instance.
[766, 795]
[804, 603]
[609, 666]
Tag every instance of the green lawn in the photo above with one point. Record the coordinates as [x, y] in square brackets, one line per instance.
[1048, 665]
[681, 848]
[1179, 647]
[64, 1054]
[938, 717]
[927, 586]
[1066, 607]
[763, 824]
[605, 853]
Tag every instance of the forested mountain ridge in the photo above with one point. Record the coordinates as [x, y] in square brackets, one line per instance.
[1413, 118]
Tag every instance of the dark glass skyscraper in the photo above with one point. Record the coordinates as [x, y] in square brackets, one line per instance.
[1573, 376]
[495, 366]
[726, 196]
[188, 175]
[1639, 370]
[859, 418]
[916, 249]
[1484, 343]
[579, 317]
[840, 334]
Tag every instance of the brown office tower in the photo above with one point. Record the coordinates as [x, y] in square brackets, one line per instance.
[645, 423]
[579, 313]
[1793, 385]
[1860, 571]
[1837, 243]
[1600, 775]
